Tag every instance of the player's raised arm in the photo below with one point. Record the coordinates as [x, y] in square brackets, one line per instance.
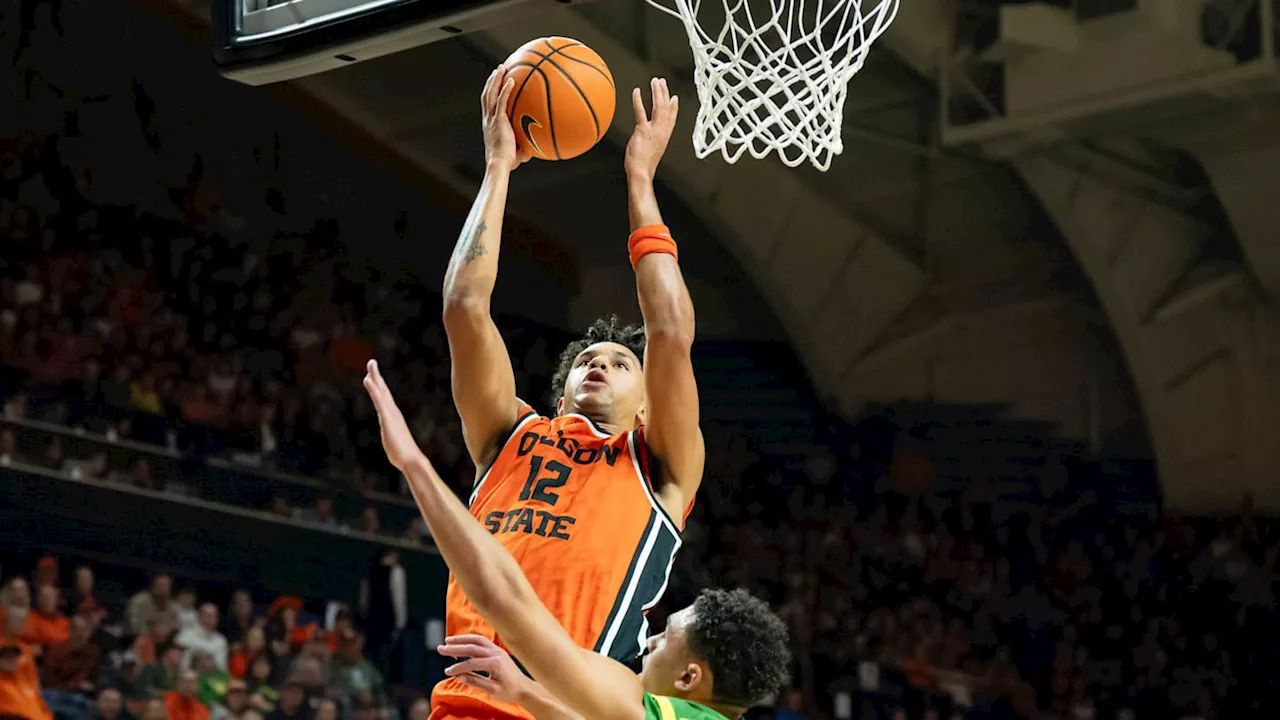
[484, 385]
[671, 393]
[592, 685]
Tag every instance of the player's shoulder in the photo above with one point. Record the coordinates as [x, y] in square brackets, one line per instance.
[662, 707]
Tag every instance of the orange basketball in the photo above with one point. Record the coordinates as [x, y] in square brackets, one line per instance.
[563, 98]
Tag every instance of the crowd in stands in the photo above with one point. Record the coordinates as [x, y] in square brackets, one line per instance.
[901, 604]
[73, 655]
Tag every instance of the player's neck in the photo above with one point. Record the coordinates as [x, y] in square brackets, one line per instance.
[607, 423]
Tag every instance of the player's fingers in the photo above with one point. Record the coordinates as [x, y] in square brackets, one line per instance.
[470, 638]
[486, 94]
[637, 104]
[374, 376]
[461, 650]
[482, 684]
[661, 100]
[505, 95]
[675, 108]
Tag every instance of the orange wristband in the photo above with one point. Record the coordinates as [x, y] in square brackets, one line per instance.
[651, 239]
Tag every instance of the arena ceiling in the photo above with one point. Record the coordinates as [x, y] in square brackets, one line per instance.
[1101, 257]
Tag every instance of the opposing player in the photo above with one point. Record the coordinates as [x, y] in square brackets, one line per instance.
[591, 502]
[717, 658]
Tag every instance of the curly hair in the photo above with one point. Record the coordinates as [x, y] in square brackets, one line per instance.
[743, 642]
[606, 329]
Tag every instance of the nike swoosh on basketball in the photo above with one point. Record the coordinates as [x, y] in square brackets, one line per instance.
[527, 121]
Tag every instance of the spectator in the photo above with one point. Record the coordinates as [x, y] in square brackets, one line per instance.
[20, 683]
[46, 625]
[322, 513]
[162, 628]
[181, 703]
[110, 706]
[72, 667]
[154, 601]
[129, 682]
[163, 675]
[204, 637]
[385, 605]
[246, 651]
[417, 532]
[240, 617]
[213, 680]
[369, 521]
[260, 681]
[235, 705]
[15, 600]
[106, 639]
[352, 674]
[186, 609]
[82, 590]
[291, 705]
[283, 624]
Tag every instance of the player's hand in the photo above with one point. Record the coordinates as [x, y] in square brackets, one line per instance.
[505, 682]
[397, 441]
[653, 132]
[500, 149]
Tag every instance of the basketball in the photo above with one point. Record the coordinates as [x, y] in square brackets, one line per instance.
[563, 99]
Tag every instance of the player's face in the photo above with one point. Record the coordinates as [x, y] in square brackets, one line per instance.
[669, 667]
[605, 379]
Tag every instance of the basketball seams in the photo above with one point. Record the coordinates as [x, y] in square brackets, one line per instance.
[549, 57]
[560, 51]
[560, 46]
[546, 83]
[590, 108]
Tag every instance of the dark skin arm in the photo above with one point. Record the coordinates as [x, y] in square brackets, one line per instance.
[671, 392]
[590, 684]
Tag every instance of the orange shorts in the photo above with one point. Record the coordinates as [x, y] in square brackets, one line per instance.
[452, 700]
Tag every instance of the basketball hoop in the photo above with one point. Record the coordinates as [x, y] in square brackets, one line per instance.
[775, 81]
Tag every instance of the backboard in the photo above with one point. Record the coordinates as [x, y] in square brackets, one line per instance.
[257, 42]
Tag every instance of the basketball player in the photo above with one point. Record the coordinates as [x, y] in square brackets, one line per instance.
[589, 502]
[717, 658]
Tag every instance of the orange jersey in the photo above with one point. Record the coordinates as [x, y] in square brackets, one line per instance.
[575, 507]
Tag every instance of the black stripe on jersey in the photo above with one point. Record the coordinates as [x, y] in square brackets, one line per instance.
[650, 466]
[501, 446]
[622, 591]
[628, 643]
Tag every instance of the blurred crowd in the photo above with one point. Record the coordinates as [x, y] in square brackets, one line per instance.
[917, 606]
[902, 604]
[67, 652]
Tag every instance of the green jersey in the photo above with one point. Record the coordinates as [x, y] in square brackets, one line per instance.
[660, 707]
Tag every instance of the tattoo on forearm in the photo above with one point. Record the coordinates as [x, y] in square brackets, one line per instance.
[474, 248]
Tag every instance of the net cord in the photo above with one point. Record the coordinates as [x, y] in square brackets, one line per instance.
[768, 82]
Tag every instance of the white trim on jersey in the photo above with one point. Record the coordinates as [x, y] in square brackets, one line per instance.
[611, 633]
[663, 522]
[594, 430]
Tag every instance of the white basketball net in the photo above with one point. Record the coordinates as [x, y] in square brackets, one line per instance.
[775, 80]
